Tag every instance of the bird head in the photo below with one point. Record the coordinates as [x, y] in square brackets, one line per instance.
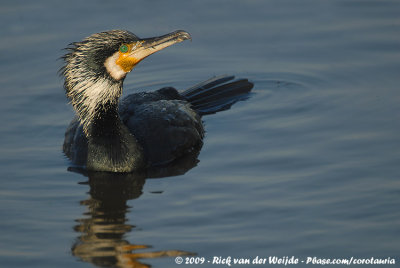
[95, 68]
[115, 53]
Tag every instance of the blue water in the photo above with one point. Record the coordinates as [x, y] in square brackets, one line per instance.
[308, 166]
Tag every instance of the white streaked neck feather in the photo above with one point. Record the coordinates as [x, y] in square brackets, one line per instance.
[87, 95]
[114, 69]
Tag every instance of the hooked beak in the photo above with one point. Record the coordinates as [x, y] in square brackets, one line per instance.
[154, 44]
[143, 48]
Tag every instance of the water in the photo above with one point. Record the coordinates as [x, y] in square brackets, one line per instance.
[308, 166]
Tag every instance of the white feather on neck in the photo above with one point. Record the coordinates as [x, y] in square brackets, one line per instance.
[88, 94]
[113, 68]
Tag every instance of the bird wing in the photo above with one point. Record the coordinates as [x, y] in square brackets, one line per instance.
[166, 129]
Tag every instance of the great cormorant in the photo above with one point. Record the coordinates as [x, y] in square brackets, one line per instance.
[144, 129]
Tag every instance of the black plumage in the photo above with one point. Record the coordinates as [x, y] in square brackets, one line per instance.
[144, 129]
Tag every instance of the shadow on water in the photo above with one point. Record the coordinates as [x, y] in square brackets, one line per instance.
[103, 227]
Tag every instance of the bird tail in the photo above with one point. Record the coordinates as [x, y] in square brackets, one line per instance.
[217, 94]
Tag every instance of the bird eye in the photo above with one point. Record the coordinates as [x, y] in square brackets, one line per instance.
[123, 48]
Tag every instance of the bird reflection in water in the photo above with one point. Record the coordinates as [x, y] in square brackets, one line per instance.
[103, 227]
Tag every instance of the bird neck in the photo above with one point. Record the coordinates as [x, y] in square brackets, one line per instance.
[105, 121]
[90, 94]
[111, 146]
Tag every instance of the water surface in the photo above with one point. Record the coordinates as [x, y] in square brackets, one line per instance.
[308, 166]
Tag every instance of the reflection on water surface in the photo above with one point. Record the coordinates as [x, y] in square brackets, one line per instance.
[103, 227]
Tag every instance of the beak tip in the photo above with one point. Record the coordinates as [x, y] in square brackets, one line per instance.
[183, 35]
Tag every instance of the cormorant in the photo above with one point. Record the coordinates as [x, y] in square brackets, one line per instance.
[144, 129]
